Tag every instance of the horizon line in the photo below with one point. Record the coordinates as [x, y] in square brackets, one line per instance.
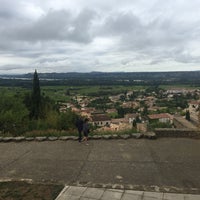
[98, 72]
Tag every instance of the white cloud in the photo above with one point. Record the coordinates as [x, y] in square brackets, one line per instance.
[129, 35]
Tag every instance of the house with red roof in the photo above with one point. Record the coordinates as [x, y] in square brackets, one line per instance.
[101, 120]
[161, 117]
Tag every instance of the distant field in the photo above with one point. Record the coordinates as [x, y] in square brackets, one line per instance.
[64, 93]
[178, 86]
[10, 91]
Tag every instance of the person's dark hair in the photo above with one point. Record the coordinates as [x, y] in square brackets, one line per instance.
[86, 120]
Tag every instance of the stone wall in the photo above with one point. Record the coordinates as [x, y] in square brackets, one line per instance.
[173, 132]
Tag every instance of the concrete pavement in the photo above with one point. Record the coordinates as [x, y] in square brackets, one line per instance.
[163, 165]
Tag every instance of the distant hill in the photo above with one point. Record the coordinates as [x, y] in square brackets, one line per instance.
[110, 78]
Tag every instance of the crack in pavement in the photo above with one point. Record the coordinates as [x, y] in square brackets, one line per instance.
[84, 163]
[15, 160]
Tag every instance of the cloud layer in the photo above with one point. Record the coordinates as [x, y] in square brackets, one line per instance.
[83, 36]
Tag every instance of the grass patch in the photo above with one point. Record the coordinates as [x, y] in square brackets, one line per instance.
[57, 133]
[180, 86]
[17, 190]
[120, 132]
[50, 133]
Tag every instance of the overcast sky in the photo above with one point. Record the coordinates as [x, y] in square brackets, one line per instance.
[99, 35]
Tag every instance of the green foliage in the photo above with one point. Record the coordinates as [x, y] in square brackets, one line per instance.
[113, 115]
[122, 97]
[13, 115]
[187, 115]
[38, 104]
[21, 112]
[55, 121]
[135, 121]
[119, 132]
[67, 120]
[122, 111]
[157, 124]
[35, 99]
[50, 133]
[177, 101]
[145, 111]
[100, 103]
[153, 89]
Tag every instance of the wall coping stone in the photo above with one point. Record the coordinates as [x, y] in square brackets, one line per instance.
[97, 137]
[29, 138]
[115, 136]
[106, 137]
[63, 138]
[19, 139]
[52, 138]
[124, 136]
[7, 139]
[137, 135]
[159, 132]
[73, 137]
[150, 135]
[40, 139]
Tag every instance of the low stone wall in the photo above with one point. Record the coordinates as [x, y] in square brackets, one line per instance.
[175, 132]
[75, 138]
[158, 133]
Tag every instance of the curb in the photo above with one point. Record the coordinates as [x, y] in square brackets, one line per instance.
[152, 188]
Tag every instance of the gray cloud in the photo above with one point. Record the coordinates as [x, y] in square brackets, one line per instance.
[9, 67]
[8, 9]
[157, 38]
[90, 34]
[55, 25]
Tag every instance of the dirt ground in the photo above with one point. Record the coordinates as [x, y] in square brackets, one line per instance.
[26, 191]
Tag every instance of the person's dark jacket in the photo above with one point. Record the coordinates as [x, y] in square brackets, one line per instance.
[79, 124]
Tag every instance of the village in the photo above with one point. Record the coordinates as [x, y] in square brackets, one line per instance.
[141, 110]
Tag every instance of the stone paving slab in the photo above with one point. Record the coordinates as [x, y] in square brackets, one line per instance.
[112, 194]
[87, 193]
[93, 193]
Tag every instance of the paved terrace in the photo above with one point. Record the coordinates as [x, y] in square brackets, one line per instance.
[164, 165]
[85, 193]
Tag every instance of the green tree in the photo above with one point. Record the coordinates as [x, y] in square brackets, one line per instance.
[36, 108]
[67, 92]
[120, 111]
[187, 115]
[145, 111]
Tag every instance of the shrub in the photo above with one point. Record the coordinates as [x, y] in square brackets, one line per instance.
[13, 115]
